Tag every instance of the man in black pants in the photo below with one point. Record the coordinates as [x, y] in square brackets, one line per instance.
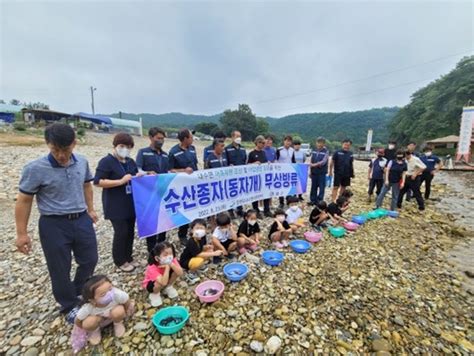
[257, 156]
[413, 180]
[236, 156]
[61, 182]
[183, 159]
[342, 167]
[153, 160]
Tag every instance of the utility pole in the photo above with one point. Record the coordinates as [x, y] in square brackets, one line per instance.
[92, 99]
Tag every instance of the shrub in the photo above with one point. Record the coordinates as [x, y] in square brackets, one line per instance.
[19, 126]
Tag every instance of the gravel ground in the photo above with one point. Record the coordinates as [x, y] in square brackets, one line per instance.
[387, 288]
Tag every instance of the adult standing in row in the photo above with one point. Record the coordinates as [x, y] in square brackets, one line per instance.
[319, 169]
[433, 165]
[270, 151]
[114, 174]
[285, 154]
[376, 174]
[219, 135]
[183, 159]
[342, 168]
[415, 168]
[236, 156]
[153, 160]
[61, 182]
[257, 156]
[390, 153]
[394, 176]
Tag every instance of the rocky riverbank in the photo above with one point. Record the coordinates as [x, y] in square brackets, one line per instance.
[387, 288]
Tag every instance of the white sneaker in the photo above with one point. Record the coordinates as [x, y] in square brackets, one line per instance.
[171, 292]
[192, 278]
[155, 299]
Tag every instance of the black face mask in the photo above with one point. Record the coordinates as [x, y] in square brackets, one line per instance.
[379, 156]
[159, 144]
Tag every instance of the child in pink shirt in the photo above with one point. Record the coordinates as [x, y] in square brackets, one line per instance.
[162, 271]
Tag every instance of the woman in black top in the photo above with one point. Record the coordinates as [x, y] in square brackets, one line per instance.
[114, 174]
[257, 156]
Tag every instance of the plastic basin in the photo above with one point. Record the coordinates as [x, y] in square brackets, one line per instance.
[373, 215]
[236, 271]
[209, 291]
[337, 231]
[351, 226]
[359, 219]
[381, 212]
[272, 258]
[300, 246]
[170, 320]
[393, 214]
[313, 236]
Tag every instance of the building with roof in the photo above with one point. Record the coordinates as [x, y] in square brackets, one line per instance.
[109, 124]
[450, 141]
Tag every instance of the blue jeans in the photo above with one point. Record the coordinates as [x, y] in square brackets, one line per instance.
[318, 185]
[61, 238]
[395, 192]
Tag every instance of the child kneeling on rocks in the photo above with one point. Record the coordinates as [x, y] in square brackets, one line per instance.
[319, 215]
[224, 237]
[162, 271]
[249, 232]
[102, 304]
[280, 230]
[197, 252]
[294, 215]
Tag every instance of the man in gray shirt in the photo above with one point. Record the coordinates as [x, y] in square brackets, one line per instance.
[61, 182]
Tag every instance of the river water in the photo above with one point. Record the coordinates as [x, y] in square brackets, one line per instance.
[459, 201]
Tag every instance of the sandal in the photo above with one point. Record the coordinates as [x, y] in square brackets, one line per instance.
[126, 267]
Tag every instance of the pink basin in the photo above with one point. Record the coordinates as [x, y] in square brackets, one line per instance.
[313, 236]
[209, 291]
[351, 226]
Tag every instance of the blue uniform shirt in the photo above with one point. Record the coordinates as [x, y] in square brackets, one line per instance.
[318, 156]
[396, 170]
[236, 156]
[59, 190]
[216, 162]
[270, 153]
[207, 151]
[180, 158]
[430, 161]
[150, 160]
[343, 163]
[116, 202]
[377, 166]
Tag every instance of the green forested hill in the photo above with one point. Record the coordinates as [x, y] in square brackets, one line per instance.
[435, 110]
[337, 126]
[334, 126]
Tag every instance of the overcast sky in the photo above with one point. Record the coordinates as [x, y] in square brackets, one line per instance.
[205, 57]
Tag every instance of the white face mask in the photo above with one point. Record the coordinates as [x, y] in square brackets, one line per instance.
[123, 152]
[391, 147]
[199, 233]
[281, 218]
[427, 154]
[252, 222]
[294, 207]
[166, 260]
[238, 140]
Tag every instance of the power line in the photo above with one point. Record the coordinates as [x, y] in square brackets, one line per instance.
[360, 79]
[352, 96]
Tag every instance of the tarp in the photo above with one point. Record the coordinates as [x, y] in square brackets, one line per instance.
[96, 119]
[7, 117]
[125, 123]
